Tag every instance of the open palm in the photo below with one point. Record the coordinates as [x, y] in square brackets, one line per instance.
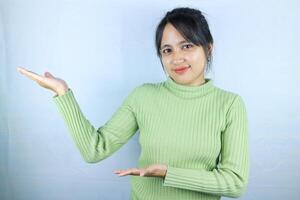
[47, 81]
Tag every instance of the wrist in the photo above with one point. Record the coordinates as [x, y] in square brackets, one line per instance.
[164, 172]
[62, 91]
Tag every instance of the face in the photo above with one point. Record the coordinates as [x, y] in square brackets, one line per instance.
[177, 53]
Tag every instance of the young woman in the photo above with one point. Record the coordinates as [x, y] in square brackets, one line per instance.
[193, 135]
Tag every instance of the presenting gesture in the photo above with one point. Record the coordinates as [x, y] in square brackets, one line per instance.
[47, 81]
[154, 170]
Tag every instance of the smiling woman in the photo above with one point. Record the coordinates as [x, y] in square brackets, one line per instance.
[184, 61]
[184, 45]
[193, 135]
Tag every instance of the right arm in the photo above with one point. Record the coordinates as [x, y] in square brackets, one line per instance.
[93, 144]
[97, 144]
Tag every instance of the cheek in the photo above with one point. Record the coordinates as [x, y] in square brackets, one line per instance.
[166, 62]
[197, 58]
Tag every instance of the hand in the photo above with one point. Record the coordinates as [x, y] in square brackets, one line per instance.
[48, 81]
[157, 170]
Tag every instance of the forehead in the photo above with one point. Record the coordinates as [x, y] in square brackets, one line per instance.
[171, 37]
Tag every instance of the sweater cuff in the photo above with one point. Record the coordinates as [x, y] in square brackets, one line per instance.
[65, 101]
[170, 175]
[178, 177]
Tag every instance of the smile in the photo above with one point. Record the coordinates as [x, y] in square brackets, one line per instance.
[182, 70]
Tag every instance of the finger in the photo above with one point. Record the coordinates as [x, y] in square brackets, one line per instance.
[125, 172]
[131, 171]
[143, 172]
[49, 75]
[30, 74]
[117, 171]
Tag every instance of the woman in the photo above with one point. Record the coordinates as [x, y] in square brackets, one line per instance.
[193, 135]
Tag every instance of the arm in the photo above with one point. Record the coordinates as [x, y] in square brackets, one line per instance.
[230, 177]
[97, 144]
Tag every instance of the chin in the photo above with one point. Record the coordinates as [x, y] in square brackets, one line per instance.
[182, 81]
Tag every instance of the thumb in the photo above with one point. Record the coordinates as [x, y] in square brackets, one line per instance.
[142, 172]
[47, 74]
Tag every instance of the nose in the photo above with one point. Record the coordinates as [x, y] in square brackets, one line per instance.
[177, 58]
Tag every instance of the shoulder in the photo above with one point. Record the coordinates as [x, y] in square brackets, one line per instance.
[228, 98]
[222, 93]
[148, 92]
[142, 90]
[148, 88]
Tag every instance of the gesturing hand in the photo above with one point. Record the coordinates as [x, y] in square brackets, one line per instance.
[47, 81]
[157, 170]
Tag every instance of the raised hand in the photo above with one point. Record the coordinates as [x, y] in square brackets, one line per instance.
[47, 81]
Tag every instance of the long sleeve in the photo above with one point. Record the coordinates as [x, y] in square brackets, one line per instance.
[97, 144]
[230, 177]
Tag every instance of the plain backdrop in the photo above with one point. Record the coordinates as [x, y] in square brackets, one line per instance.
[103, 49]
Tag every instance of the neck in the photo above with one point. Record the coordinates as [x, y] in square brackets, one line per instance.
[198, 82]
[189, 91]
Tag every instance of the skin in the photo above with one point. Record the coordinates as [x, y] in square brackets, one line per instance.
[174, 53]
[48, 81]
[59, 86]
[155, 170]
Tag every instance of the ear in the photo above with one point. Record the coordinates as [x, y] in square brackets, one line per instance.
[210, 48]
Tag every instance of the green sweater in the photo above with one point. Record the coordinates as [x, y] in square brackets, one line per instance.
[199, 132]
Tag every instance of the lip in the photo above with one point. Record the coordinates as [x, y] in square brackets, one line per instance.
[181, 69]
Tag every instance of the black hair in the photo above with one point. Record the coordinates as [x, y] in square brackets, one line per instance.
[192, 25]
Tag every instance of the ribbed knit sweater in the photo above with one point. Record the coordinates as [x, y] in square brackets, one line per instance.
[199, 132]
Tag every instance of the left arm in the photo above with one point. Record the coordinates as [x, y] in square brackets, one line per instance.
[230, 177]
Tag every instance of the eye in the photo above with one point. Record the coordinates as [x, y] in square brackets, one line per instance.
[188, 46]
[166, 51]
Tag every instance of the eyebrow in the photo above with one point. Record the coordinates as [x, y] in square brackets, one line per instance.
[167, 45]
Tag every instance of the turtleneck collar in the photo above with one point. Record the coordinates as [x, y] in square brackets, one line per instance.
[189, 92]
